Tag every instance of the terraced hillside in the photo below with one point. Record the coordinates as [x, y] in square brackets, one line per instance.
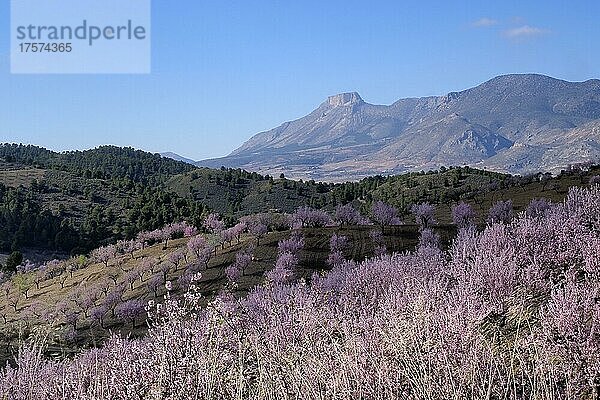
[47, 296]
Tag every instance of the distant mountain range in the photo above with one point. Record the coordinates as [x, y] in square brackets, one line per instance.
[177, 157]
[512, 123]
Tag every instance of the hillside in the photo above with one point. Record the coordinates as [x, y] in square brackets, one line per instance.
[177, 157]
[104, 162]
[71, 282]
[63, 211]
[513, 123]
[78, 302]
[509, 310]
[86, 199]
[61, 204]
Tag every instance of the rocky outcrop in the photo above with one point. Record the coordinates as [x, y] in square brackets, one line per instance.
[344, 99]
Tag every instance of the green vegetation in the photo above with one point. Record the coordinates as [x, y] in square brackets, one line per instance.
[76, 201]
[14, 259]
[74, 214]
[104, 162]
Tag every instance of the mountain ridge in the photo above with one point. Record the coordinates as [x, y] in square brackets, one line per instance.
[346, 138]
[177, 157]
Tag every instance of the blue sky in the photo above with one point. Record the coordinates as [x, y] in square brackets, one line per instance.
[223, 72]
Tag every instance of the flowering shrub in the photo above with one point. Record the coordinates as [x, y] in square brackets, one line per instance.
[511, 312]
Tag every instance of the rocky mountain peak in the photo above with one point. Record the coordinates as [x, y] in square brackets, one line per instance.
[520, 123]
[344, 99]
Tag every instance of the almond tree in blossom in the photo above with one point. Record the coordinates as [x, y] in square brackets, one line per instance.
[176, 258]
[310, 217]
[190, 231]
[424, 214]
[104, 254]
[164, 269]
[98, 315]
[131, 277]
[347, 215]
[227, 236]
[128, 247]
[337, 245]
[213, 223]
[384, 215]
[155, 283]
[538, 208]
[197, 244]
[509, 312]
[501, 212]
[379, 248]
[284, 269]
[238, 230]
[114, 297]
[144, 239]
[288, 251]
[200, 247]
[205, 256]
[103, 285]
[463, 215]
[130, 311]
[294, 244]
[258, 230]
[243, 259]
[84, 298]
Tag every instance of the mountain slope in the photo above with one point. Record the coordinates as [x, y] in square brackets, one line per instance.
[486, 126]
[177, 157]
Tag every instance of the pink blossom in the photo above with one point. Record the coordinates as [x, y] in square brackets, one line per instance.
[384, 214]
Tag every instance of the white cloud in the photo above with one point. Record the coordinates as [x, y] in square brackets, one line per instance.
[524, 31]
[484, 22]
